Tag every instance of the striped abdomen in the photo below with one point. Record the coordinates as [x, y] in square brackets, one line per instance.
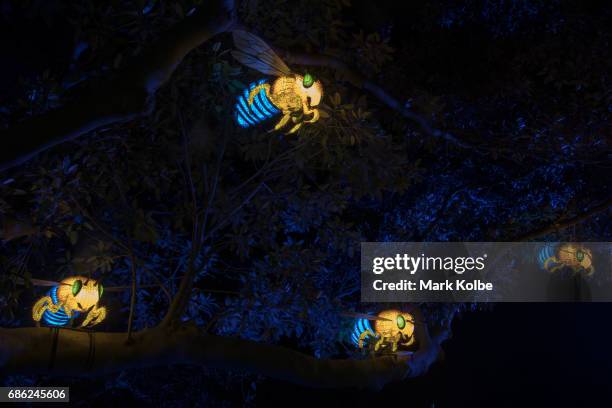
[361, 325]
[60, 318]
[547, 251]
[261, 109]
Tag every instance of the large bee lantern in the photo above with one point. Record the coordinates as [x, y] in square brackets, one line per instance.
[392, 328]
[294, 96]
[66, 301]
[553, 257]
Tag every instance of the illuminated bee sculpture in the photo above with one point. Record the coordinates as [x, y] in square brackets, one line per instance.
[392, 328]
[294, 96]
[553, 257]
[66, 301]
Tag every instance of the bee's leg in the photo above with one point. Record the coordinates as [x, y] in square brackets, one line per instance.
[547, 264]
[284, 120]
[315, 116]
[363, 336]
[95, 316]
[379, 343]
[40, 306]
[55, 307]
[296, 127]
[88, 319]
[407, 341]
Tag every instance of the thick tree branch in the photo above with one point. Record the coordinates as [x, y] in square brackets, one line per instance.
[181, 299]
[28, 350]
[125, 96]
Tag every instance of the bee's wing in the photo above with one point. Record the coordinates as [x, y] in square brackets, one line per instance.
[39, 282]
[366, 316]
[253, 52]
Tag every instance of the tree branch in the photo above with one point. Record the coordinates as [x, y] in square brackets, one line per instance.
[182, 296]
[122, 98]
[132, 296]
[27, 350]
[12, 229]
[562, 224]
[362, 82]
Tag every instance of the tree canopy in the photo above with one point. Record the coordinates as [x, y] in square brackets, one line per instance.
[440, 122]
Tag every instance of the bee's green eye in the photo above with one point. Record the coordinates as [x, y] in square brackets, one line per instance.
[100, 290]
[579, 256]
[76, 287]
[401, 322]
[308, 81]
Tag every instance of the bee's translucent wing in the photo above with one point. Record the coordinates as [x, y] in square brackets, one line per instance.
[253, 52]
[366, 316]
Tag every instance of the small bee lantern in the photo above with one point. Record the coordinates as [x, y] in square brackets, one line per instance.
[66, 301]
[575, 256]
[392, 328]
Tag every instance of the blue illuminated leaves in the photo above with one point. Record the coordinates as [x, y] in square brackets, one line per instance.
[201, 308]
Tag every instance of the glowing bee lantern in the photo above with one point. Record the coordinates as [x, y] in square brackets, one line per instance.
[71, 297]
[294, 96]
[553, 257]
[392, 328]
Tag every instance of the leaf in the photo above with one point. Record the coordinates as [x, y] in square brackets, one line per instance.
[335, 99]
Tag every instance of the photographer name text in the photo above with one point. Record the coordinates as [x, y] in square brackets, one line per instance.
[434, 286]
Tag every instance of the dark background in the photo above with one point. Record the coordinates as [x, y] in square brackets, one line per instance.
[553, 354]
[512, 355]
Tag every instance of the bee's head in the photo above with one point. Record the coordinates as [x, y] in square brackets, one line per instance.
[576, 255]
[311, 89]
[80, 293]
[395, 321]
[584, 257]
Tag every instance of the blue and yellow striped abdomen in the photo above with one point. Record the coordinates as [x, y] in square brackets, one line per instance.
[548, 252]
[261, 109]
[60, 318]
[361, 325]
